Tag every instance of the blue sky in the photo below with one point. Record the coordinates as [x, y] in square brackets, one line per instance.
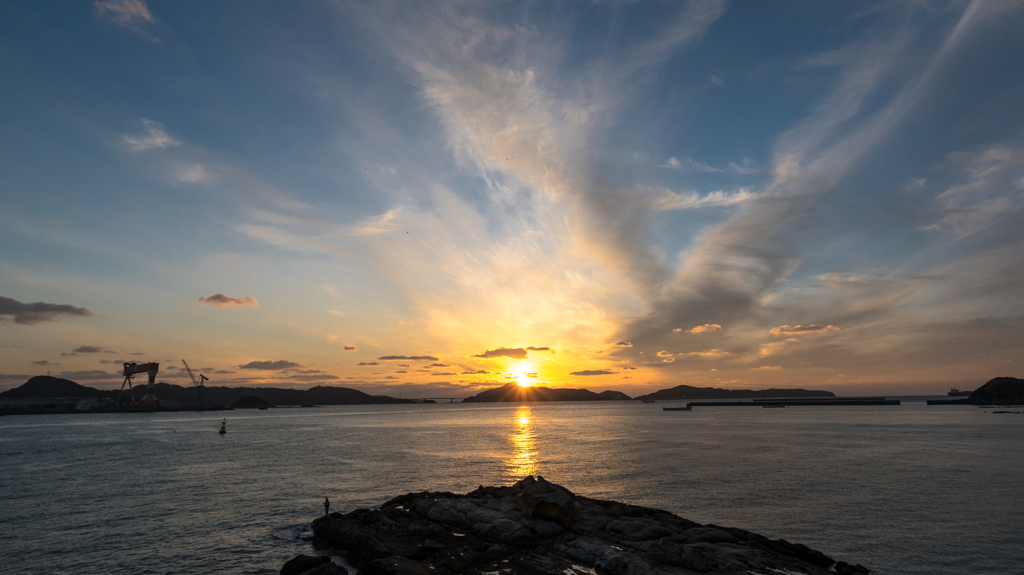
[823, 195]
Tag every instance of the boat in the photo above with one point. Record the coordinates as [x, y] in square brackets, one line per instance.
[678, 408]
[647, 400]
[774, 405]
[954, 392]
[223, 427]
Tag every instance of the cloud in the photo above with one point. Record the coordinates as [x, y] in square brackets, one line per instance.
[33, 313]
[994, 190]
[222, 300]
[532, 375]
[802, 329]
[704, 328]
[403, 365]
[91, 374]
[350, 348]
[664, 353]
[688, 165]
[223, 371]
[593, 372]
[368, 363]
[408, 357]
[708, 353]
[439, 365]
[630, 367]
[126, 13]
[88, 349]
[745, 168]
[624, 344]
[44, 362]
[440, 373]
[666, 200]
[531, 348]
[513, 353]
[477, 372]
[154, 137]
[401, 371]
[734, 270]
[768, 367]
[270, 365]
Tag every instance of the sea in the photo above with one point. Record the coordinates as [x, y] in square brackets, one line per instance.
[908, 489]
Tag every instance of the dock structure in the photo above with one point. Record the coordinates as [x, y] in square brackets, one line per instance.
[794, 402]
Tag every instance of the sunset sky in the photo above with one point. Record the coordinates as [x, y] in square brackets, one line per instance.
[440, 197]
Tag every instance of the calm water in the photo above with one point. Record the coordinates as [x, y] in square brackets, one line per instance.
[903, 490]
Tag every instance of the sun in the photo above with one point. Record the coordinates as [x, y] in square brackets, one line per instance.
[523, 378]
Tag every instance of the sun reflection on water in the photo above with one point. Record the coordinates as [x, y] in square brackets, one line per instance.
[523, 460]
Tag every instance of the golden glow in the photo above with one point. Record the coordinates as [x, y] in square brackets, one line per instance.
[522, 374]
[523, 460]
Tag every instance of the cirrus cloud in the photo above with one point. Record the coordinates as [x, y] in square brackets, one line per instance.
[408, 357]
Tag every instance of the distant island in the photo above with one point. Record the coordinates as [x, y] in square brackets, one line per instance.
[516, 392]
[59, 394]
[690, 392]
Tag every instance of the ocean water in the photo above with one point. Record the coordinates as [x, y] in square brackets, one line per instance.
[910, 489]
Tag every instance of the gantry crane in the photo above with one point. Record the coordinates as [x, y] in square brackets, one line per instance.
[132, 368]
[198, 383]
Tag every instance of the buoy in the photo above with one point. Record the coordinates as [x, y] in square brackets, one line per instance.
[223, 427]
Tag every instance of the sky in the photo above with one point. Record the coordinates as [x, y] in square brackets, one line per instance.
[429, 199]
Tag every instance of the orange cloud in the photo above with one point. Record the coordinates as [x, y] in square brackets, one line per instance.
[802, 329]
[704, 328]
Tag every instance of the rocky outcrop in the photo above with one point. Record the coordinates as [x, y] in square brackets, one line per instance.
[536, 527]
[999, 391]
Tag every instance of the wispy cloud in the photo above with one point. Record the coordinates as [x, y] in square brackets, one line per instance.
[994, 190]
[688, 165]
[154, 136]
[802, 329]
[593, 372]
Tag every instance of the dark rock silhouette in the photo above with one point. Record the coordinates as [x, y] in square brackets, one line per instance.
[515, 392]
[537, 527]
[47, 386]
[1000, 391]
[250, 402]
[308, 565]
[690, 392]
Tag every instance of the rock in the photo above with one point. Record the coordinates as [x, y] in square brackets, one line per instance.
[541, 498]
[303, 563]
[536, 527]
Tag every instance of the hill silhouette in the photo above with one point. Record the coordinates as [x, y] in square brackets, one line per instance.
[47, 386]
[690, 392]
[515, 392]
[1000, 390]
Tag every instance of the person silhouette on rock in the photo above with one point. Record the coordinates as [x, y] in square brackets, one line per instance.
[327, 506]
